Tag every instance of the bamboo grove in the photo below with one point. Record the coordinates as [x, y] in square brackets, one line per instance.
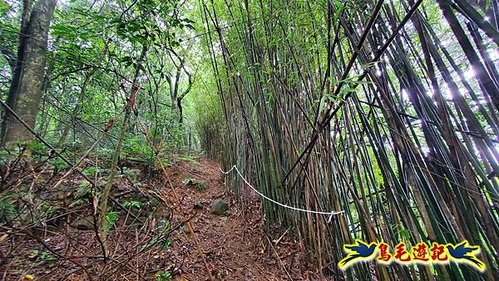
[387, 110]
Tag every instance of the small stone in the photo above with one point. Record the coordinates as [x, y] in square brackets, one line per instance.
[219, 207]
[85, 223]
[198, 206]
[199, 185]
[188, 181]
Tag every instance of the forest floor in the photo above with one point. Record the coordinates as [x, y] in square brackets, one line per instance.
[199, 245]
[235, 246]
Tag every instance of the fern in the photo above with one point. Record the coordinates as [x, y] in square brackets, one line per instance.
[8, 211]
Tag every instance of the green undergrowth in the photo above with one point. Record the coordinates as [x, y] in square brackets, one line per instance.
[35, 200]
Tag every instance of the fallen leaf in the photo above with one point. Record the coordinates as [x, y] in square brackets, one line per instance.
[3, 238]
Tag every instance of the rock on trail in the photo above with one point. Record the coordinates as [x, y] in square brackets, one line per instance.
[219, 207]
[226, 245]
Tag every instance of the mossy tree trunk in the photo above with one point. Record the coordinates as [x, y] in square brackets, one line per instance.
[29, 73]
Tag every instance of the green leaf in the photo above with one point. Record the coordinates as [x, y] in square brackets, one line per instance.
[8, 210]
[163, 276]
[132, 204]
[110, 220]
[59, 164]
[4, 8]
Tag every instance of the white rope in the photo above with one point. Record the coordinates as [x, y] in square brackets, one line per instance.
[330, 214]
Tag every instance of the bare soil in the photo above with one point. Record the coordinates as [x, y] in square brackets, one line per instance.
[234, 247]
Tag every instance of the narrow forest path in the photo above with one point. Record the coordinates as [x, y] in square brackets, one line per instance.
[233, 246]
[166, 231]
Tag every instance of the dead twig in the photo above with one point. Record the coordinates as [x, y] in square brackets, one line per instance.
[282, 266]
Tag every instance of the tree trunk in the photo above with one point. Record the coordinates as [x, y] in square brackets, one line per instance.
[27, 83]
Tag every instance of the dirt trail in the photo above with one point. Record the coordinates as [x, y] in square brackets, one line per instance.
[199, 245]
[231, 247]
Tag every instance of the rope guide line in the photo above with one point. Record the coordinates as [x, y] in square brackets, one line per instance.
[330, 214]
